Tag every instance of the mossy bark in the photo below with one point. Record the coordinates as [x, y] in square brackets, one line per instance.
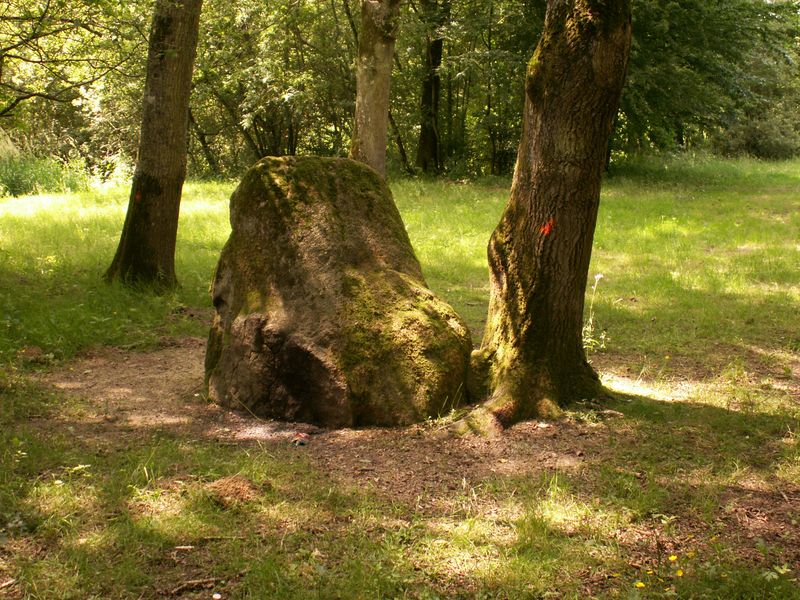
[532, 353]
[379, 21]
[146, 251]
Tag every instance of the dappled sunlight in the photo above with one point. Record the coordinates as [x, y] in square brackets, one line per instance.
[568, 514]
[453, 557]
[160, 502]
[664, 391]
[697, 459]
[609, 496]
[56, 502]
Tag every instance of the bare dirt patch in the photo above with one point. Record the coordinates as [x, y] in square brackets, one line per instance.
[126, 393]
[233, 490]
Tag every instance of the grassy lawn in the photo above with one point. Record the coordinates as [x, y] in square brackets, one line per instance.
[688, 486]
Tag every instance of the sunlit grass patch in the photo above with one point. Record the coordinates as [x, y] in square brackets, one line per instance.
[709, 573]
[449, 225]
[54, 251]
[704, 259]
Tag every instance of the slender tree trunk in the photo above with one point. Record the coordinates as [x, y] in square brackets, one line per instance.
[401, 148]
[146, 251]
[462, 116]
[202, 138]
[539, 254]
[350, 19]
[292, 135]
[379, 20]
[429, 147]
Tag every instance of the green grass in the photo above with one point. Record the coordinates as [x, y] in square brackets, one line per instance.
[54, 250]
[703, 260]
[691, 493]
[691, 252]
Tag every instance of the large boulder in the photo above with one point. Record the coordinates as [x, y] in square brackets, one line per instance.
[322, 312]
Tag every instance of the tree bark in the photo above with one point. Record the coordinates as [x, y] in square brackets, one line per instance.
[146, 251]
[379, 21]
[202, 138]
[532, 354]
[429, 157]
[401, 148]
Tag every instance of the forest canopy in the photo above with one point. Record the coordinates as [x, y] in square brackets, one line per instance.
[278, 78]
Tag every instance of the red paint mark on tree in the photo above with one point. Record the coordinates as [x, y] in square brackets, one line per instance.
[548, 227]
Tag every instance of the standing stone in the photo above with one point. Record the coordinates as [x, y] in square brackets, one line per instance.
[322, 312]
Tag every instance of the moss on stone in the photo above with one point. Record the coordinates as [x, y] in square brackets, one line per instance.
[320, 257]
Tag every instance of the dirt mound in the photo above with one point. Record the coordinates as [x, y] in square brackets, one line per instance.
[236, 489]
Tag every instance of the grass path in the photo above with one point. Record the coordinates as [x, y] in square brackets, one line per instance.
[118, 481]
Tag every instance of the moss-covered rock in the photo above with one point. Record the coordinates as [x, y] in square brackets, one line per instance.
[323, 314]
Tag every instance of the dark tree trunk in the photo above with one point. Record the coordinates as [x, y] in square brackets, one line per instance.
[487, 111]
[401, 148]
[379, 20]
[202, 138]
[429, 147]
[235, 118]
[539, 254]
[462, 116]
[448, 118]
[292, 135]
[350, 19]
[146, 251]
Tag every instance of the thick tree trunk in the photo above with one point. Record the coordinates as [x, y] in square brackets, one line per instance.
[429, 147]
[146, 251]
[379, 20]
[532, 350]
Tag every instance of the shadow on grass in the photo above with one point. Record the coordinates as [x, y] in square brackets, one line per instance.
[126, 512]
[525, 515]
[683, 480]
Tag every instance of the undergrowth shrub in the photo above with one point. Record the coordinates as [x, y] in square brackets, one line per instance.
[771, 137]
[21, 174]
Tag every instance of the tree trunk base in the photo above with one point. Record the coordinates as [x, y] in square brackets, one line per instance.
[156, 283]
[479, 421]
[518, 392]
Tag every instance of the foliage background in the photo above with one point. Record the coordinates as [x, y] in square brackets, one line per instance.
[277, 78]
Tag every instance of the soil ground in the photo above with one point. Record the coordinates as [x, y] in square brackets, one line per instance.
[125, 392]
